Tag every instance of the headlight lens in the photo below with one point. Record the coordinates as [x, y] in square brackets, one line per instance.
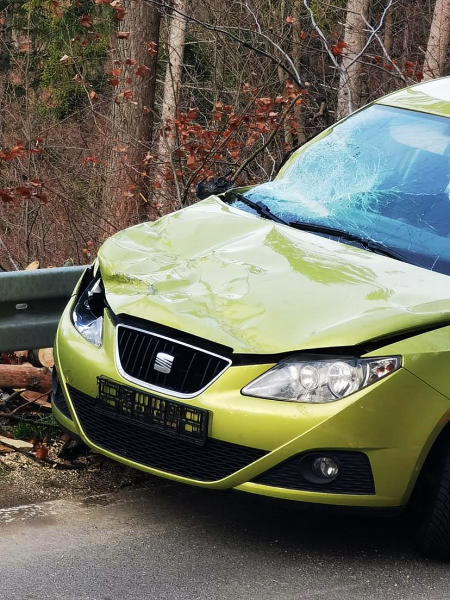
[88, 312]
[318, 381]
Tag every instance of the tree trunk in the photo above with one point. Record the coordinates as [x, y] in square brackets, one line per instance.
[350, 85]
[172, 86]
[438, 40]
[132, 118]
[25, 376]
[407, 18]
[282, 77]
[388, 30]
[297, 59]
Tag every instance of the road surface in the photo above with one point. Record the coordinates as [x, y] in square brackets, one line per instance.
[174, 542]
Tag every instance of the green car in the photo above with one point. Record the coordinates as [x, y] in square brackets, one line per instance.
[291, 339]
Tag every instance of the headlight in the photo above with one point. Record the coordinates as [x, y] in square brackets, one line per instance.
[88, 312]
[317, 381]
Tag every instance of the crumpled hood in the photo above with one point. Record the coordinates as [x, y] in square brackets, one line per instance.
[260, 287]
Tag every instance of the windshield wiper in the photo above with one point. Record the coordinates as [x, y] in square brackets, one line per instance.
[365, 243]
[262, 209]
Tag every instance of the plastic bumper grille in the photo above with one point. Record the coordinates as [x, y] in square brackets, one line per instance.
[131, 439]
[59, 401]
[192, 370]
[355, 475]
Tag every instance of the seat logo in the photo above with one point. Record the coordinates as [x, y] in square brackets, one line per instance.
[163, 362]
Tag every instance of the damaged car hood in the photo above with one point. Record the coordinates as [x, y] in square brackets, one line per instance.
[260, 287]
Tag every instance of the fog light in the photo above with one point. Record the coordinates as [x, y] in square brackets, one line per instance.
[325, 467]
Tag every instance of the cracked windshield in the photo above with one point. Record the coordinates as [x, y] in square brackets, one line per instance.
[382, 176]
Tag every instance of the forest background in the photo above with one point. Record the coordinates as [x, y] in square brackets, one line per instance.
[112, 110]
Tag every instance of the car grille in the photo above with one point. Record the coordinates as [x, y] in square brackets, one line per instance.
[135, 441]
[193, 369]
[59, 401]
[355, 475]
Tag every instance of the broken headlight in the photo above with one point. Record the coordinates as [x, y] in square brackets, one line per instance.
[318, 381]
[88, 312]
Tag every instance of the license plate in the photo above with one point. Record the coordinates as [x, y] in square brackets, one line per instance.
[156, 413]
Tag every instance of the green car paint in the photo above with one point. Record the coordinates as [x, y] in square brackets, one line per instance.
[430, 97]
[265, 289]
[228, 279]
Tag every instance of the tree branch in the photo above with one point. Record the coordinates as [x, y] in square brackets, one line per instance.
[226, 31]
[374, 33]
[254, 154]
[12, 261]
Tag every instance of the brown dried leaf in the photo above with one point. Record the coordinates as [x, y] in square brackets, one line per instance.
[42, 452]
[23, 191]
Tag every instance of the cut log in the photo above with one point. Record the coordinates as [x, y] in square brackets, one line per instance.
[45, 357]
[25, 376]
[42, 357]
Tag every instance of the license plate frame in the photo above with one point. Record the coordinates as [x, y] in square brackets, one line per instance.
[156, 413]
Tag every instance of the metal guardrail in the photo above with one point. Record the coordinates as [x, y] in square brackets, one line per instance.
[31, 304]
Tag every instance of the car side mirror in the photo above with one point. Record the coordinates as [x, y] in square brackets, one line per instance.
[217, 185]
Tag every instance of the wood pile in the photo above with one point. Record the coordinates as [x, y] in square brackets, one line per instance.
[27, 425]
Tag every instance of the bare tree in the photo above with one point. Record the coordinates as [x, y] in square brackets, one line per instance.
[349, 96]
[438, 40]
[388, 29]
[172, 85]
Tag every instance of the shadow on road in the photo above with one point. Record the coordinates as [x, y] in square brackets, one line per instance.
[244, 519]
[167, 541]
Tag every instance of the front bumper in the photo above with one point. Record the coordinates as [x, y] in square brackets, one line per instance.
[380, 423]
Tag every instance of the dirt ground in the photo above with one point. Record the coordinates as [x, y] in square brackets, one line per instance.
[64, 470]
[22, 480]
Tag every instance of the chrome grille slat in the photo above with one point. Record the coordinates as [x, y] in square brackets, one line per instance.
[150, 362]
[144, 357]
[138, 353]
[205, 372]
[131, 353]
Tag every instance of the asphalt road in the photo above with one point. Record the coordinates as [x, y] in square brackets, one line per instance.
[169, 541]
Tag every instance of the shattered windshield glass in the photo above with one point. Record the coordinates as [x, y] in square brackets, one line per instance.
[382, 175]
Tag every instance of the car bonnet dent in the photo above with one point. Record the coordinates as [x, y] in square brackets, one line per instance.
[259, 287]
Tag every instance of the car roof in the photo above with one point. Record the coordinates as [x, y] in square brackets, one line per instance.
[431, 97]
